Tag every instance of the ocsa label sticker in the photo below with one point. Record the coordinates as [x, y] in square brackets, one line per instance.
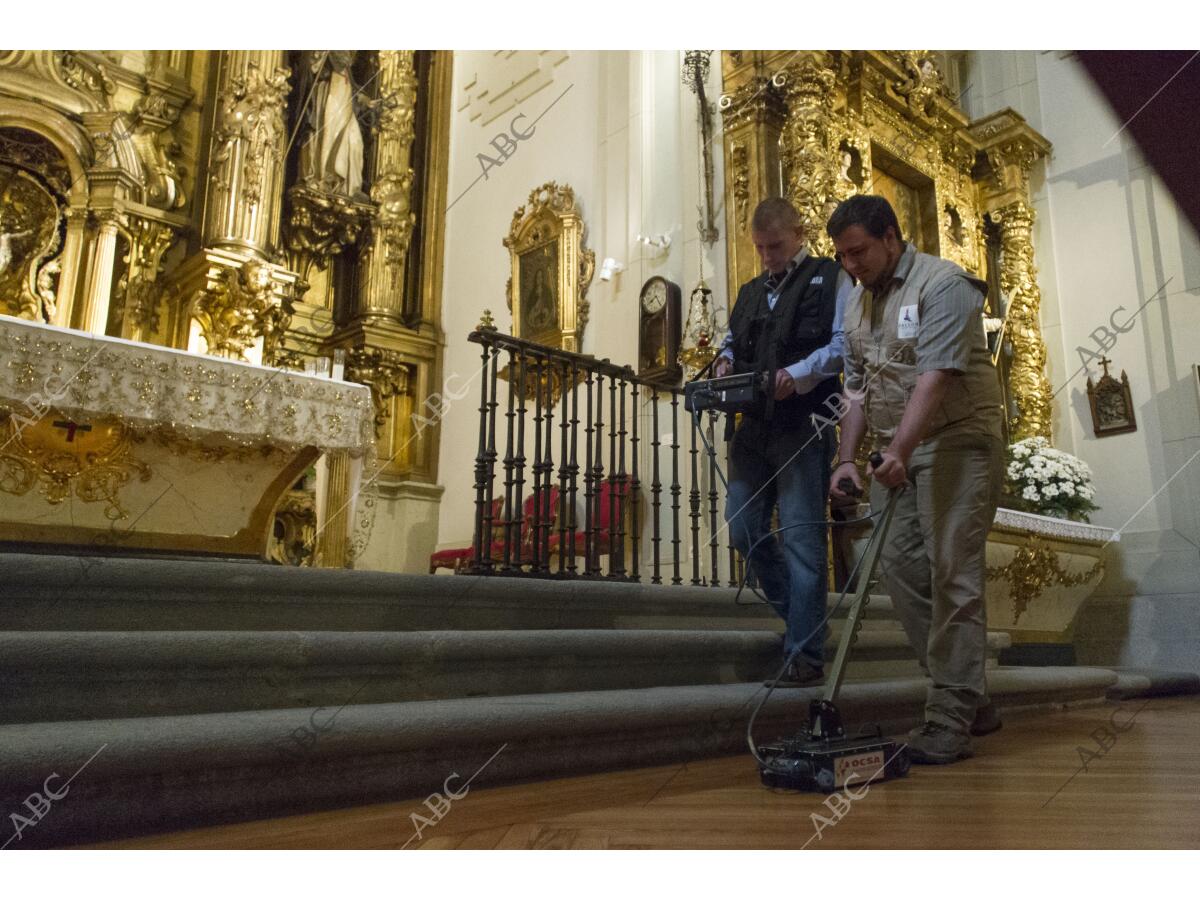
[867, 765]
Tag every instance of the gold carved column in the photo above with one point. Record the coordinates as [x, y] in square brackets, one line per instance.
[334, 537]
[392, 335]
[97, 289]
[1011, 148]
[378, 340]
[383, 262]
[391, 344]
[752, 115]
[1018, 279]
[245, 162]
[232, 290]
[806, 149]
[68, 282]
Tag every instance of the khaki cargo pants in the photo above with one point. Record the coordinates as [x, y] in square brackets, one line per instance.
[933, 566]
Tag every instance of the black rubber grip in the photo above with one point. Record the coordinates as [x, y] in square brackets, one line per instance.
[848, 487]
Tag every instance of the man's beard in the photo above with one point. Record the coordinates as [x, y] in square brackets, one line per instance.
[876, 286]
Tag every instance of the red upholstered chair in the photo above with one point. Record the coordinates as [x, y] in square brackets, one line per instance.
[614, 493]
[528, 532]
[458, 557]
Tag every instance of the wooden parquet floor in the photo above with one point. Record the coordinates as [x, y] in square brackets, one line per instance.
[1026, 787]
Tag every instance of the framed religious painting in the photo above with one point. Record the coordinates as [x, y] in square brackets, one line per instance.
[1111, 403]
[551, 269]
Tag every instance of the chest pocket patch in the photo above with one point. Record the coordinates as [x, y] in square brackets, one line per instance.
[907, 322]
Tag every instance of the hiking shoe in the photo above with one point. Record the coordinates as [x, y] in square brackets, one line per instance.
[798, 674]
[987, 720]
[936, 744]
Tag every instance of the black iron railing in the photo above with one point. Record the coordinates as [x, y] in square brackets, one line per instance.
[581, 499]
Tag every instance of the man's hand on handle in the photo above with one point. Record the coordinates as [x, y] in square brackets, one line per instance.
[892, 473]
[845, 482]
[722, 367]
[846, 470]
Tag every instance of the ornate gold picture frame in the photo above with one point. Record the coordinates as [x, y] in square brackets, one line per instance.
[551, 269]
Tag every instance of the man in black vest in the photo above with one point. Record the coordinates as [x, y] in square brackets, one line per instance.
[787, 322]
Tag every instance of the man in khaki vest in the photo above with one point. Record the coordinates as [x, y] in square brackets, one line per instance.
[919, 375]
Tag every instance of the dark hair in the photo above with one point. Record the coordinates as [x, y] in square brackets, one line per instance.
[870, 211]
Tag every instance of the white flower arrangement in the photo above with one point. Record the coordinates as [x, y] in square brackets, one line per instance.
[1043, 480]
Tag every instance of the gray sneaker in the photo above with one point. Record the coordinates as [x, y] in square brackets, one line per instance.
[936, 744]
[987, 720]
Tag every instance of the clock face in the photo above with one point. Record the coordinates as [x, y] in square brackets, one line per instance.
[654, 296]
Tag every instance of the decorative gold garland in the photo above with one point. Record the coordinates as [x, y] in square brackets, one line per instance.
[1033, 568]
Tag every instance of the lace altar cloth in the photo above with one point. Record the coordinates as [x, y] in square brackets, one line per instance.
[198, 397]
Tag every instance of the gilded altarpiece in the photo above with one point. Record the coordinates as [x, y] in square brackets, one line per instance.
[820, 126]
[282, 208]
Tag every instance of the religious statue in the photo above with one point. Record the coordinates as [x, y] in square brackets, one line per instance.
[47, 286]
[844, 177]
[331, 140]
[6, 247]
[922, 82]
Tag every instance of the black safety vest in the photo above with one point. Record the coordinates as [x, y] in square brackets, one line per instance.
[766, 339]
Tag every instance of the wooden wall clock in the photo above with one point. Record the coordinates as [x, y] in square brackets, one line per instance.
[660, 329]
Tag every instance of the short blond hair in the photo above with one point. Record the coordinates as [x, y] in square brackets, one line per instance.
[775, 212]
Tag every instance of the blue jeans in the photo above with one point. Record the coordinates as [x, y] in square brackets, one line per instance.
[790, 467]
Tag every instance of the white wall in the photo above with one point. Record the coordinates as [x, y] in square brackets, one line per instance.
[1109, 235]
[625, 137]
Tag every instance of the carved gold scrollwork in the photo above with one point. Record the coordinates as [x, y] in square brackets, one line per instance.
[238, 308]
[1011, 163]
[741, 185]
[756, 101]
[921, 83]
[93, 459]
[294, 542]
[1035, 567]
[806, 150]
[85, 74]
[383, 371]
[960, 228]
[140, 286]
[320, 226]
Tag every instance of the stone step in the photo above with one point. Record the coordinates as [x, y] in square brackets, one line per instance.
[55, 676]
[146, 775]
[45, 592]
